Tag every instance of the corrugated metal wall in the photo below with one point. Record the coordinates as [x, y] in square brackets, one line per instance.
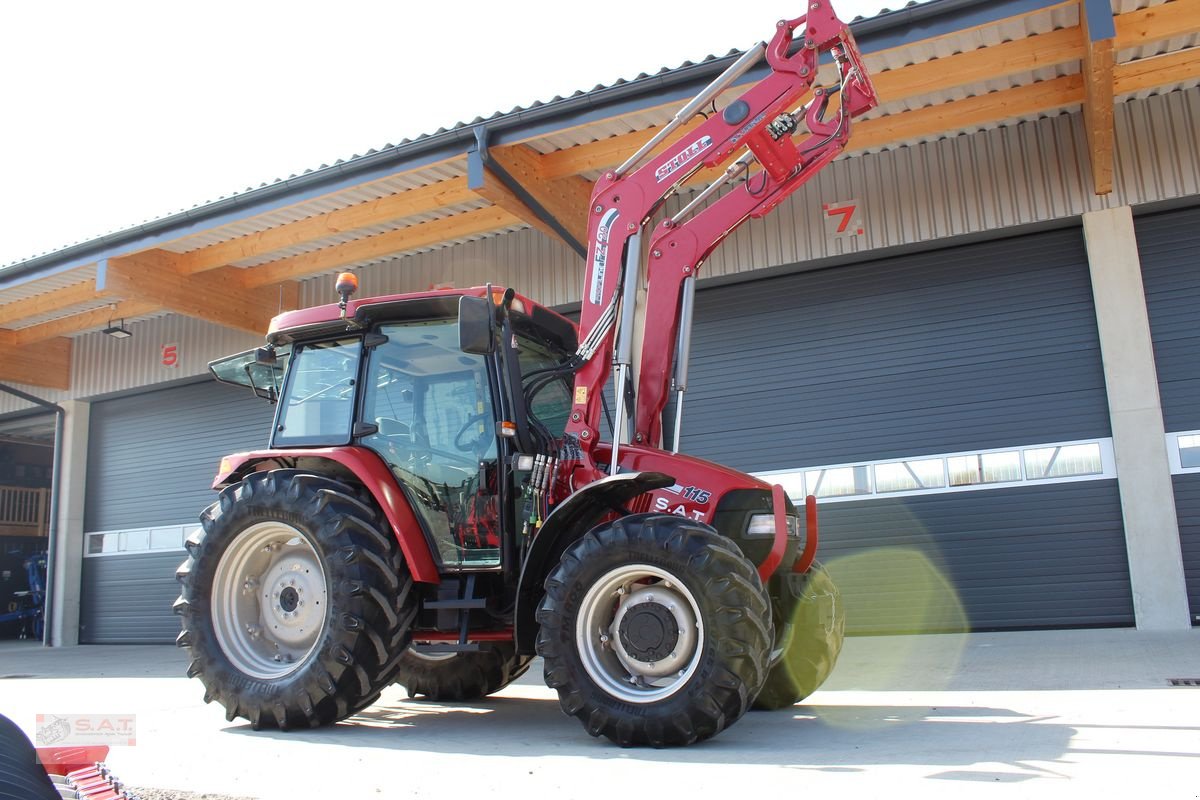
[151, 459]
[528, 261]
[972, 347]
[1169, 247]
[1042, 556]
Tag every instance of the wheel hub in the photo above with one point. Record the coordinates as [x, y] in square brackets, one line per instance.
[639, 633]
[649, 632]
[289, 599]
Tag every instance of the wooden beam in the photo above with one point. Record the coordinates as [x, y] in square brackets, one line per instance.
[362, 215]
[1009, 58]
[968, 113]
[84, 321]
[1099, 56]
[1156, 23]
[47, 302]
[219, 296]
[43, 363]
[567, 199]
[425, 234]
[488, 185]
[1148, 73]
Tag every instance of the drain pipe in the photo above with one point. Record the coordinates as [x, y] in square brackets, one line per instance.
[55, 479]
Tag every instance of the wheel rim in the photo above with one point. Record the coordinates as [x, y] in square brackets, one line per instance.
[269, 600]
[639, 633]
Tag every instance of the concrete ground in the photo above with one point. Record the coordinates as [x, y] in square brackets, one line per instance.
[1038, 714]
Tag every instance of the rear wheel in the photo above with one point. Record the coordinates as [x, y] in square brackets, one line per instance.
[458, 677]
[655, 630]
[296, 604]
[814, 637]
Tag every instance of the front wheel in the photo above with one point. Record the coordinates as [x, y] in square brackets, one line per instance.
[296, 601]
[655, 630]
[813, 639]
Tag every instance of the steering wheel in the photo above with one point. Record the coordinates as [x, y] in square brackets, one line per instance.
[472, 445]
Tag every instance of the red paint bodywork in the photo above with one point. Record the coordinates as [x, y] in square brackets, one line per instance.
[805, 559]
[331, 312]
[370, 469]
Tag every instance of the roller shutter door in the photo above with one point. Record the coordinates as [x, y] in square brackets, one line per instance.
[977, 347]
[151, 460]
[1169, 247]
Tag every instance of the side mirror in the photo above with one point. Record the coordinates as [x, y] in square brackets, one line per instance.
[265, 356]
[476, 325]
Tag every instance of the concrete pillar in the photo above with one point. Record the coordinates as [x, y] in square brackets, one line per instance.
[68, 555]
[1147, 498]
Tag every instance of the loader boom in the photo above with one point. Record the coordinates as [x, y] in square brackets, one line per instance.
[761, 122]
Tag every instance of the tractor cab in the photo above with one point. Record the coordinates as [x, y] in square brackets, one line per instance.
[394, 378]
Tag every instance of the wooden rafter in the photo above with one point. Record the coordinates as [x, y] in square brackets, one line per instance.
[1099, 57]
[1148, 73]
[362, 215]
[43, 363]
[83, 322]
[969, 112]
[489, 186]
[219, 296]
[1157, 23]
[47, 302]
[566, 198]
[425, 234]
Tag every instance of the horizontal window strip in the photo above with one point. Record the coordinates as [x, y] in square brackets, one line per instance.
[998, 468]
[129, 541]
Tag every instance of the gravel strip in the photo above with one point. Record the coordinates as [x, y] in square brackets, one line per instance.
[179, 794]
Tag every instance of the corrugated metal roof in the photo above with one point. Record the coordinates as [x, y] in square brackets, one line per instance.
[50, 284]
[359, 194]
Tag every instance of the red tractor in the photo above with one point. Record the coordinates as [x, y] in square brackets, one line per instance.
[438, 504]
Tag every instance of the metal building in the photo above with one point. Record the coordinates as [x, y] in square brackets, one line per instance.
[972, 337]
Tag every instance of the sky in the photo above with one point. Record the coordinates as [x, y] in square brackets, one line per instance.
[115, 113]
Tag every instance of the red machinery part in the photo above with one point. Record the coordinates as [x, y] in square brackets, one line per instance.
[805, 561]
[771, 563]
[67, 760]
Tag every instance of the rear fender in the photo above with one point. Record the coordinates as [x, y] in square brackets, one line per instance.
[370, 470]
[565, 525]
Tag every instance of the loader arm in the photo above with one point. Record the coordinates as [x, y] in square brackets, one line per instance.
[761, 121]
[682, 243]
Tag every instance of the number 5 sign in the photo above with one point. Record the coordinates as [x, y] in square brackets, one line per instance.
[170, 355]
[843, 219]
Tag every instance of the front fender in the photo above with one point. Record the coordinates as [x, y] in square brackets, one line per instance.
[370, 470]
[566, 524]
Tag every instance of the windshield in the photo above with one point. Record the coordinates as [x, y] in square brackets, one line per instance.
[244, 369]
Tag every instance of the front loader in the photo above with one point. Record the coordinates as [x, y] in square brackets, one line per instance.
[438, 504]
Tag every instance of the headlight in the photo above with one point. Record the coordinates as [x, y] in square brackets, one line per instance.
[764, 525]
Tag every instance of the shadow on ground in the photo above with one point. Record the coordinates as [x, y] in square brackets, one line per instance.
[834, 737]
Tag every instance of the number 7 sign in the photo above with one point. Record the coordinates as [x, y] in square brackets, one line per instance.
[843, 219]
